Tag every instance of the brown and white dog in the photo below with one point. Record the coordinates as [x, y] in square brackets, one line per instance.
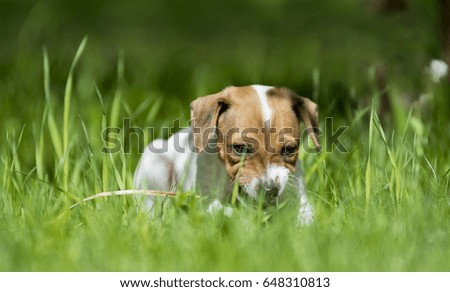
[249, 135]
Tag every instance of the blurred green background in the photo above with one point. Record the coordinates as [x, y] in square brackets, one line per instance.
[183, 49]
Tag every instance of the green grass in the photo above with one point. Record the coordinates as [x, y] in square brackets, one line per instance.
[382, 206]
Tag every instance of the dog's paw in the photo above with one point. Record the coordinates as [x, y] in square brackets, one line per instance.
[305, 215]
[216, 207]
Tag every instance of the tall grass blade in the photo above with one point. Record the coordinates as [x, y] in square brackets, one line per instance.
[396, 177]
[368, 175]
[66, 114]
[51, 123]
[235, 192]
[105, 170]
[115, 110]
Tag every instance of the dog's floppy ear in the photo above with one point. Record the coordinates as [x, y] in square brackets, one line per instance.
[307, 112]
[205, 113]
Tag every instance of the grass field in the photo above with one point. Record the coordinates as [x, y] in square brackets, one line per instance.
[383, 205]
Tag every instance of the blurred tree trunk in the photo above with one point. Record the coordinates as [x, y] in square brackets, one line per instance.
[444, 6]
[388, 6]
[395, 6]
[385, 7]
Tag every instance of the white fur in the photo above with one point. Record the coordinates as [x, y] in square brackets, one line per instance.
[200, 172]
[252, 188]
[266, 111]
[152, 171]
[277, 176]
[305, 212]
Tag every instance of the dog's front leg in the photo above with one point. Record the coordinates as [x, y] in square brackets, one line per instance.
[305, 212]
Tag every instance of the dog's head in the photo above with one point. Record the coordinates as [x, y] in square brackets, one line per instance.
[256, 132]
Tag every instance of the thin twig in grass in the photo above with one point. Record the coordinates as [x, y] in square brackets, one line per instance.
[126, 193]
[432, 169]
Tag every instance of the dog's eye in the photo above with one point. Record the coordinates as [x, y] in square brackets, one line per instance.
[240, 149]
[289, 150]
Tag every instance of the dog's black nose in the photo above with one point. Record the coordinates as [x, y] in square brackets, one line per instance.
[272, 192]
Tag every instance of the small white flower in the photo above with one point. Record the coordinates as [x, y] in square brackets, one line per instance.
[438, 70]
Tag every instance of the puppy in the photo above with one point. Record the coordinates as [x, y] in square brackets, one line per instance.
[247, 135]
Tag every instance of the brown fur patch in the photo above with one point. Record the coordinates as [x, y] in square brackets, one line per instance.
[243, 123]
[239, 121]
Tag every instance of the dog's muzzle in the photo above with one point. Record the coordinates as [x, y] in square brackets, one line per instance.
[271, 192]
[271, 184]
[268, 193]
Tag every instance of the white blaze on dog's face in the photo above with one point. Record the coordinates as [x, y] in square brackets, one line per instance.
[258, 133]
